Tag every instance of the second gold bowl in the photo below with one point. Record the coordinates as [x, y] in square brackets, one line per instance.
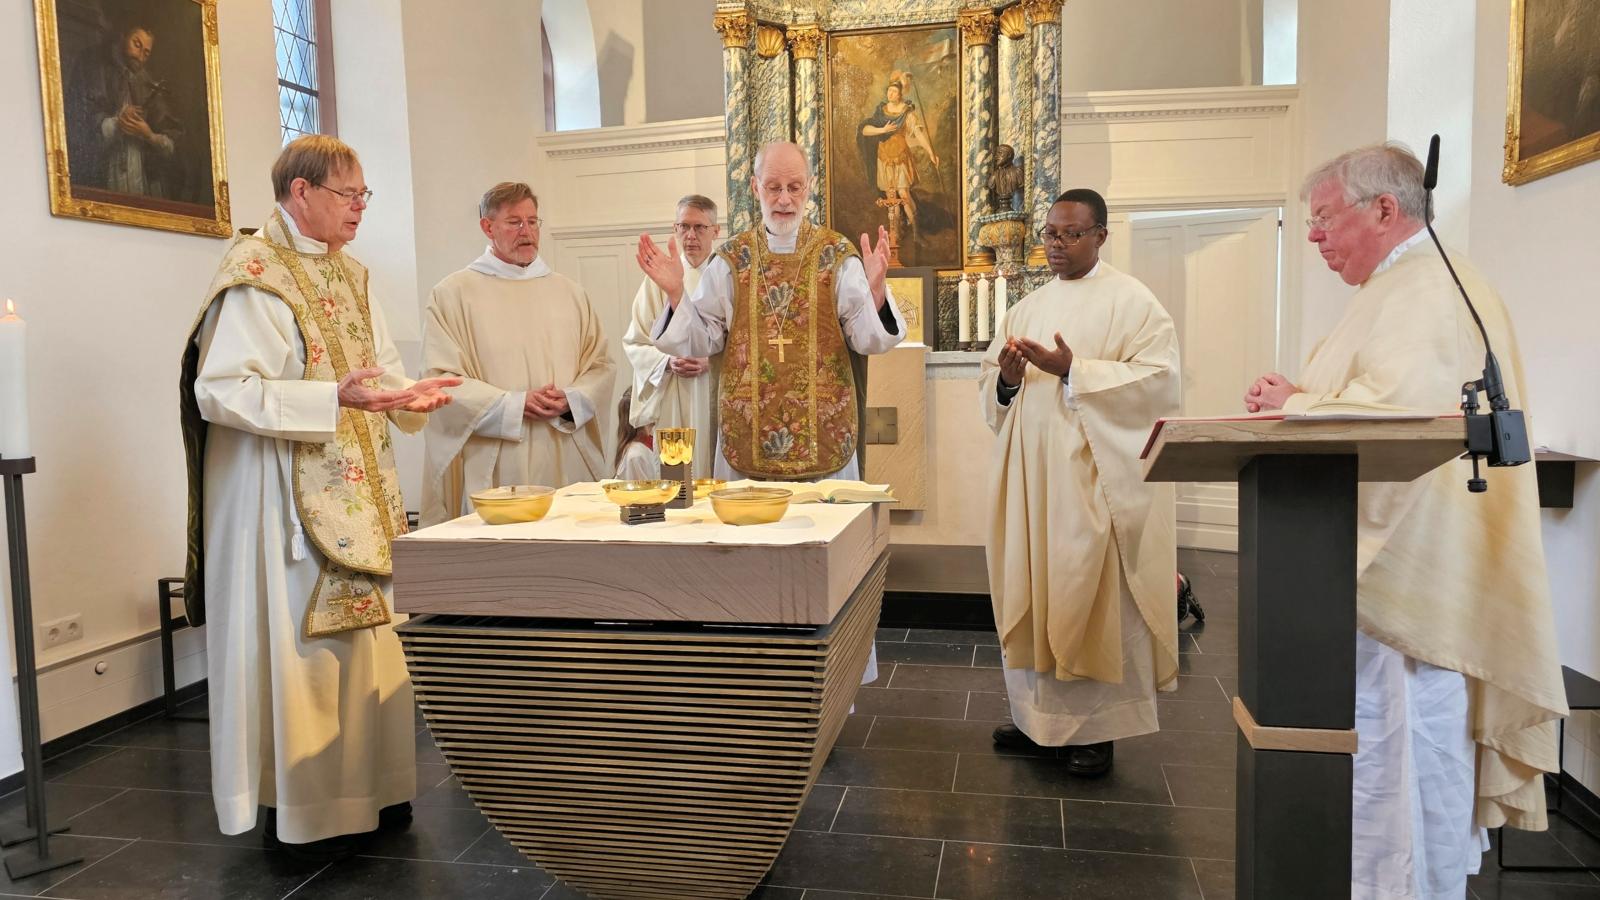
[640, 493]
[750, 505]
[513, 503]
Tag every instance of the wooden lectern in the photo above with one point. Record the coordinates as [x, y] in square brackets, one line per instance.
[1297, 621]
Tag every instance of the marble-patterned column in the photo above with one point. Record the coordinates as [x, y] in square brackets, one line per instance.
[770, 94]
[804, 42]
[736, 28]
[978, 92]
[1014, 115]
[1045, 18]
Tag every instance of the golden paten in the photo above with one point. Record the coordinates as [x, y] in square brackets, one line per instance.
[513, 503]
[640, 493]
[750, 505]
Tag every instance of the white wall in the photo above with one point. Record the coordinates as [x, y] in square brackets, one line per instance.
[1118, 45]
[108, 307]
[619, 49]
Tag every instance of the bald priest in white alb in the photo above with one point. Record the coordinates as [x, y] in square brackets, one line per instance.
[534, 364]
[676, 391]
[1081, 549]
[792, 307]
[1458, 681]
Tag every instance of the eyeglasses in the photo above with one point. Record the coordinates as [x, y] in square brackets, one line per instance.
[1322, 223]
[519, 224]
[1065, 238]
[686, 229]
[350, 196]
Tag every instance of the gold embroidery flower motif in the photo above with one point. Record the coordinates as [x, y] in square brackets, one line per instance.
[354, 473]
[329, 307]
[778, 443]
[316, 352]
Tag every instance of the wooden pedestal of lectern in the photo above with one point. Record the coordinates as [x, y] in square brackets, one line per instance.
[1297, 621]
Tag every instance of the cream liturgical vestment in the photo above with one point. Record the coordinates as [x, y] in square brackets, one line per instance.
[506, 330]
[1447, 580]
[660, 398]
[293, 502]
[1081, 549]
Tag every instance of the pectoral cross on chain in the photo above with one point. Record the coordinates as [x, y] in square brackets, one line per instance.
[780, 342]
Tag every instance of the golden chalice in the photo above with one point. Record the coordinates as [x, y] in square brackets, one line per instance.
[676, 446]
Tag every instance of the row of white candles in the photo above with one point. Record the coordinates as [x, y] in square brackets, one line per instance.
[964, 308]
[13, 385]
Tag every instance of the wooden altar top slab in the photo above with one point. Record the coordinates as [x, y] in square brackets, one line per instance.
[580, 562]
[1390, 449]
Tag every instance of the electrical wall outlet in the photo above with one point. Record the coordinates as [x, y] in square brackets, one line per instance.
[59, 631]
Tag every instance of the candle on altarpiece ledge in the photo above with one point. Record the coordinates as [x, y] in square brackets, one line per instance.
[983, 308]
[13, 385]
[999, 306]
[964, 311]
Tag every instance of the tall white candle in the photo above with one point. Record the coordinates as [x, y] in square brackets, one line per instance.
[13, 385]
[983, 307]
[964, 311]
[999, 307]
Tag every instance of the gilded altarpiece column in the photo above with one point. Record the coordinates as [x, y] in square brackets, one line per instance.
[770, 104]
[805, 43]
[736, 28]
[1044, 16]
[1014, 61]
[978, 99]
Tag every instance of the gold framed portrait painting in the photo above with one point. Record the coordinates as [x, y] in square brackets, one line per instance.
[133, 113]
[1553, 120]
[893, 139]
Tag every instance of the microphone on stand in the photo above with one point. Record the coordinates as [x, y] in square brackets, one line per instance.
[1500, 435]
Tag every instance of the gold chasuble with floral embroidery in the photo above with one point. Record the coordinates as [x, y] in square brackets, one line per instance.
[789, 407]
[345, 491]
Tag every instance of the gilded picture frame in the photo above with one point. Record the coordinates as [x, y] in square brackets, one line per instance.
[916, 293]
[1553, 91]
[132, 99]
[897, 87]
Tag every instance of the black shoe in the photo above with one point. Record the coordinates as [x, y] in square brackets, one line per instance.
[1187, 604]
[1010, 737]
[395, 818]
[1088, 760]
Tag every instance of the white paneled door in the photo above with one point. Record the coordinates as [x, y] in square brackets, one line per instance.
[1217, 274]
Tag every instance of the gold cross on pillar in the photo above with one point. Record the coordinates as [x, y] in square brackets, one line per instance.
[780, 342]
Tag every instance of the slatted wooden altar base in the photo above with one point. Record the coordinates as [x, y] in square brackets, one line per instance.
[651, 761]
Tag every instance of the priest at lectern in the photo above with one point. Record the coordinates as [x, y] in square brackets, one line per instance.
[1458, 685]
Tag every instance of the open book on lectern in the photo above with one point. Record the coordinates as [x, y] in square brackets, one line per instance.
[1331, 410]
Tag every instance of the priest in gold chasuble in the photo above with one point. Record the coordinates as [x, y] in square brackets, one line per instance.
[792, 307]
[290, 381]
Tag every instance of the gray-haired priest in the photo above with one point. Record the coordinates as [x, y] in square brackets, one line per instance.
[290, 381]
[1458, 682]
[534, 364]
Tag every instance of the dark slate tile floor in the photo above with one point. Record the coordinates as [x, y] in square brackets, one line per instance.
[915, 802]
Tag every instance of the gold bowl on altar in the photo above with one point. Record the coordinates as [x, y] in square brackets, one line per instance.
[513, 503]
[704, 486]
[640, 493]
[750, 505]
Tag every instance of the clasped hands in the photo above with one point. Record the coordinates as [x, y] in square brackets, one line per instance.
[1269, 392]
[1019, 352]
[547, 402]
[423, 396]
[688, 366]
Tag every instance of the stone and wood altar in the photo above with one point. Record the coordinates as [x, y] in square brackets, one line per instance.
[643, 710]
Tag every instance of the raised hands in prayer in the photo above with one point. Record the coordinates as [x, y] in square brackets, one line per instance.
[423, 396]
[1013, 365]
[1057, 362]
[663, 267]
[876, 262]
[545, 403]
[688, 366]
[1269, 392]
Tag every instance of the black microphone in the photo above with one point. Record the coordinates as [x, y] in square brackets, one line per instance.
[1501, 435]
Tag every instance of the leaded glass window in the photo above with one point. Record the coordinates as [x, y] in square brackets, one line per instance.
[300, 76]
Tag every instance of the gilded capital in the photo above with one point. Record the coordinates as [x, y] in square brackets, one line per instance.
[977, 25]
[735, 28]
[805, 41]
[1043, 12]
[1014, 22]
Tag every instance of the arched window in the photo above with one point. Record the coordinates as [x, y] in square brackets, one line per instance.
[303, 31]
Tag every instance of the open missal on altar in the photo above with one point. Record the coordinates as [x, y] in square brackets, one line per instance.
[1331, 410]
[830, 490]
